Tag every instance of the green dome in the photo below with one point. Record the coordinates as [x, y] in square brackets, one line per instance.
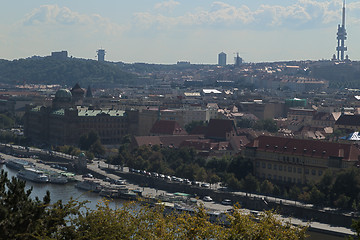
[63, 94]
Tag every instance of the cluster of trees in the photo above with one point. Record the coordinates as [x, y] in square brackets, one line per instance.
[266, 124]
[183, 162]
[89, 143]
[22, 217]
[65, 72]
[341, 189]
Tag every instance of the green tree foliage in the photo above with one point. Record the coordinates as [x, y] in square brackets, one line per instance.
[23, 218]
[266, 226]
[19, 214]
[91, 142]
[267, 124]
[251, 184]
[245, 123]
[64, 72]
[6, 121]
[191, 126]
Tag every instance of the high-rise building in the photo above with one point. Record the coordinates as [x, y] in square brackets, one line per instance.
[341, 37]
[222, 59]
[101, 55]
[238, 60]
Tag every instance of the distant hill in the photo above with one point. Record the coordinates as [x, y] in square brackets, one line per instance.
[68, 72]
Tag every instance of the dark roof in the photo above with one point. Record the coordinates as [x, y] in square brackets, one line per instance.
[238, 142]
[77, 89]
[302, 147]
[166, 141]
[206, 145]
[351, 120]
[199, 130]
[323, 116]
[167, 127]
[218, 128]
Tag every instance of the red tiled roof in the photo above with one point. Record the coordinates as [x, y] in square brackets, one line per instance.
[238, 142]
[301, 147]
[218, 128]
[206, 144]
[351, 120]
[167, 127]
[166, 141]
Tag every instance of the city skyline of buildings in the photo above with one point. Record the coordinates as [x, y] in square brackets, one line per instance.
[166, 31]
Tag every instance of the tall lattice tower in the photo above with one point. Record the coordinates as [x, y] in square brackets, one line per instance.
[341, 37]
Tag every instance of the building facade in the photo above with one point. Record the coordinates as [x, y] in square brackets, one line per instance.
[64, 123]
[299, 161]
[222, 59]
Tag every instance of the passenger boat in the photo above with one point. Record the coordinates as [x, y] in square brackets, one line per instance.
[112, 190]
[18, 164]
[89, 184]
[33, 175]
[58, 179]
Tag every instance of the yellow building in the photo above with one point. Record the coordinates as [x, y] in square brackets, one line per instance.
[298, 161]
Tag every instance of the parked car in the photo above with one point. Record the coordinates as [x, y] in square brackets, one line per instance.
[207, 199]
[88, 175]
[205, 185]
[226, 202]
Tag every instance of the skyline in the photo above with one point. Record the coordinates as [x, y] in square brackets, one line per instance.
[170, 31]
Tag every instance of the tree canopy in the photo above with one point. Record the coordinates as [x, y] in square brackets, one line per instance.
[22, 217]
[64, 72]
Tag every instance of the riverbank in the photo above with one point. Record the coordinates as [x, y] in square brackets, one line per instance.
[153, 187]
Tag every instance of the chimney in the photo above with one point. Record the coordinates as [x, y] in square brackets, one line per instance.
[341, 152]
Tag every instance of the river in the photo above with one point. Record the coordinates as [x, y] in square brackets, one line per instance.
[63, 192]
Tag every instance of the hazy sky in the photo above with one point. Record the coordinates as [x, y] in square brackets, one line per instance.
[156, 31]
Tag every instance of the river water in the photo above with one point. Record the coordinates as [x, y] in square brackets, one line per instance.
[64, 192]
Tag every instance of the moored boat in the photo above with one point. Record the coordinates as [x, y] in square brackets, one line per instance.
[89, 184]
[58, 179]
[33, 174]
[18, 164]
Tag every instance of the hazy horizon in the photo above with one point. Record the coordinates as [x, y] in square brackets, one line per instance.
[164, 32]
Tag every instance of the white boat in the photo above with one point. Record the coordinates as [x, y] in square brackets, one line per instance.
[58, 179]
[33, 174]
[17, 164]
[89, 184]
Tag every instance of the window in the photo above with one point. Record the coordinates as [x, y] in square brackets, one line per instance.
[313, 172]
[289, 169]
[269, 165]
[280, 178]
[263, 165]
[306, 171]
[320, 172]
[275, 167]
[289, 179]
[257, 164]
[280, 167]
[299, 170]
[269, 176]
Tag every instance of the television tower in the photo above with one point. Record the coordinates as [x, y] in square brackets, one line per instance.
[341, 37]
[101, 55]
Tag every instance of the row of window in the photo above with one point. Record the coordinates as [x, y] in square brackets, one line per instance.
[95, 119]
[292, 159]
[289, 169]
[282, 179]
